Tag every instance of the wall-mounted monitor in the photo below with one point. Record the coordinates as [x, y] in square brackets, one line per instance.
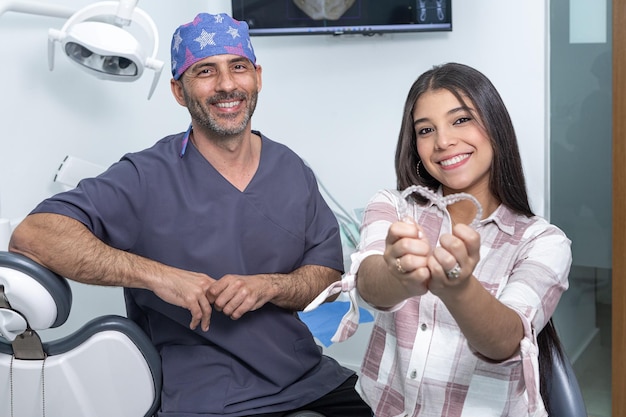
[338, 17]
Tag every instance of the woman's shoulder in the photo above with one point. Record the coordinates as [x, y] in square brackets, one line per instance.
[385, 196]
[526, 226]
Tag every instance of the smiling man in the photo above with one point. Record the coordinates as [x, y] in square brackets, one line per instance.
[218, 235]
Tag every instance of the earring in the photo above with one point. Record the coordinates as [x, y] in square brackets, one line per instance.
[417, 168]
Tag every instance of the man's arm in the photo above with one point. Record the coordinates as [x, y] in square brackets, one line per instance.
[67, 247]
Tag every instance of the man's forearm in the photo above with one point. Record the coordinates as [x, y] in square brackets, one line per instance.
[68, 248]
[296, 290]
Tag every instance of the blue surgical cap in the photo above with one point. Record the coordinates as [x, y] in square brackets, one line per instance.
[208, 35]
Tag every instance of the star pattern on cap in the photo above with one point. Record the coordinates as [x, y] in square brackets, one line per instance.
[177, 40]
[208, 35]
[235, 50]
[205, 39]
[233, 32]
[189, 59]
[196, 21]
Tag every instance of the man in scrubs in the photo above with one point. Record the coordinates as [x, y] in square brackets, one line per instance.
[218, 235]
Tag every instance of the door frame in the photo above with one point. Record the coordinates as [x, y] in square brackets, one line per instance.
[618, 378]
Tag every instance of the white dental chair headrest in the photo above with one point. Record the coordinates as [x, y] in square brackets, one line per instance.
[42, 298]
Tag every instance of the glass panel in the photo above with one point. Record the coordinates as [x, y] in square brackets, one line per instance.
[580, 184]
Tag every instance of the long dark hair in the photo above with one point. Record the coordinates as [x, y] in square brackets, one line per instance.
[506, 182]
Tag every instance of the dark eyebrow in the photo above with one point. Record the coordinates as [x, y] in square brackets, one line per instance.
[200, 65]
[238, 59]
[450, 112]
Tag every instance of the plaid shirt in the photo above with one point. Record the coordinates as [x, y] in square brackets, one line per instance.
[418, 363]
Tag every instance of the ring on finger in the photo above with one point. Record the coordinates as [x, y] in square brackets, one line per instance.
[454, 272]
[399, 266]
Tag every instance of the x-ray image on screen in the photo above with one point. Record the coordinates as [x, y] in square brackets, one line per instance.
[302, 17]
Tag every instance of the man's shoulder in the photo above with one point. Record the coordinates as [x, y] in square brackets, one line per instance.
[172, 140]
[166, 146]
[278, 150]
[267, 142]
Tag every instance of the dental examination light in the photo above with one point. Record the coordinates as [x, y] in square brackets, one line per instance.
[95, 38]
[33, 7]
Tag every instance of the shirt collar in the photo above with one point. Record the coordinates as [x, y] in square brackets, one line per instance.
[504, 218]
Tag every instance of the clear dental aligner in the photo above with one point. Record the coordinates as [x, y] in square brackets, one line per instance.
[439, 201]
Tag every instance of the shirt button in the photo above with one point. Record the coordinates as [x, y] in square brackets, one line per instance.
[423, 326]
[413, 374]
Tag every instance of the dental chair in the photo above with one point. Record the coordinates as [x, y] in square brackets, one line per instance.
[108, 368]
[566, 399]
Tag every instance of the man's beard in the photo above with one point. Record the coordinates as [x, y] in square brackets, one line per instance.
[202, 116]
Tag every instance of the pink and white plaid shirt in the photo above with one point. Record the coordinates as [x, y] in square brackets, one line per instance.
[418, 363]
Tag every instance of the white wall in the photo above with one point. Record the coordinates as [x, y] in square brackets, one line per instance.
[335, 100]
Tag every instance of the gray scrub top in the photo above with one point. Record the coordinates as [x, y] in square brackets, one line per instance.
[180, 211]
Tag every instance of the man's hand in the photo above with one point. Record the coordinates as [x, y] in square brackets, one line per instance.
[235, 295]
[189, 290]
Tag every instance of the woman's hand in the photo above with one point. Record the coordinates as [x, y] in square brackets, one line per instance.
[453, 262]
[406, 255]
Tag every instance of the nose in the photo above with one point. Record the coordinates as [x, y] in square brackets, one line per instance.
[225, 81]
[445, 138]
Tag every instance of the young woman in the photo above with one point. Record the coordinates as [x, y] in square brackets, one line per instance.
[461, 302]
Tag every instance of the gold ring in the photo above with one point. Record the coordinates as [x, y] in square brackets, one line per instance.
[399, 266]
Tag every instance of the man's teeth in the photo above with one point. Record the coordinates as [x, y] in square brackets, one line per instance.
[228, 105]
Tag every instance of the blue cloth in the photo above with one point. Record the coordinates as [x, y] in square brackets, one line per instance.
[208, 35]
[183, 213]
[324, 320]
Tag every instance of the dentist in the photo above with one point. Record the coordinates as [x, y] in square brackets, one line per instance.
[218, 235]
